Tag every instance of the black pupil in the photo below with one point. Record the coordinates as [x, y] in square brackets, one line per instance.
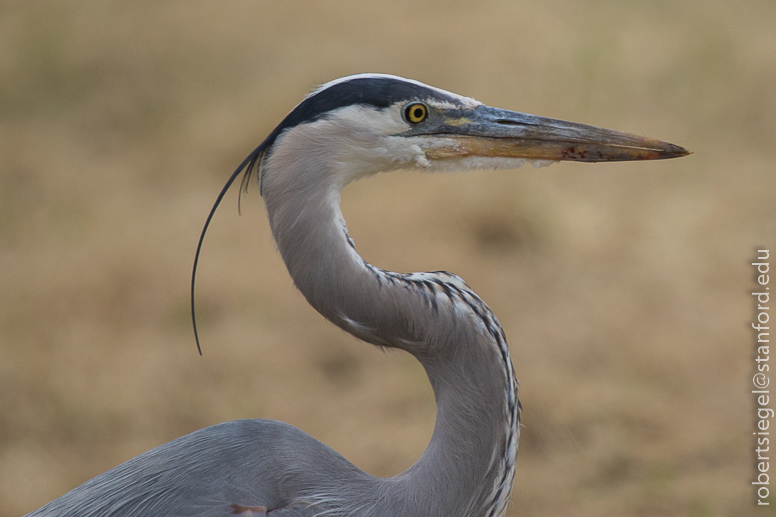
[417, 112]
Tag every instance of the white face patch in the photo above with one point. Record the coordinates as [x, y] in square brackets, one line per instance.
[348, 144]
[365, 120]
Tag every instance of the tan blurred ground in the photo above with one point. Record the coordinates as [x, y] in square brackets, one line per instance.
[623, 288]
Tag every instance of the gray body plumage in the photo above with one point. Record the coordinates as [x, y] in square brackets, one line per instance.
[346, 130]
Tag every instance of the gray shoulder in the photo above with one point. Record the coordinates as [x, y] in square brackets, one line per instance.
[216, 471]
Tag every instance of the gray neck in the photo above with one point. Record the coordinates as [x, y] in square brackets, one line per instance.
[468, 465]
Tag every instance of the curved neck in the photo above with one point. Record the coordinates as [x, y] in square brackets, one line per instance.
[468, 466]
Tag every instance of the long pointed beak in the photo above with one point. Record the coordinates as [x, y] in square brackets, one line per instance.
[493, 132]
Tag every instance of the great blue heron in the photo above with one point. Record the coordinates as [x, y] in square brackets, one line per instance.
[348, 129]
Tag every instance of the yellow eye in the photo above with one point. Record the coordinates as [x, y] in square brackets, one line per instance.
[416, 112]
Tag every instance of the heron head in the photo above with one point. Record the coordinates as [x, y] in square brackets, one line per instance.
[371, 123]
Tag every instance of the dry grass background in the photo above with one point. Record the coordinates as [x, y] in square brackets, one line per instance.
[623, 287]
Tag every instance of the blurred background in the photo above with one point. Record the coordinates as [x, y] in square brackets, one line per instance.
[623, 288]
